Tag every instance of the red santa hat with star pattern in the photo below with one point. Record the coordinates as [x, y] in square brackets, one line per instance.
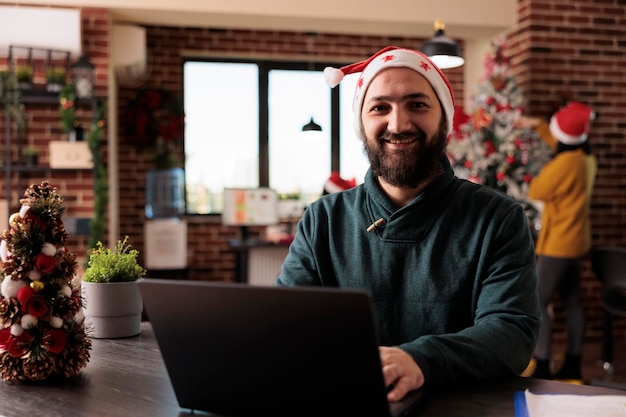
[391, 57]
[570, 125]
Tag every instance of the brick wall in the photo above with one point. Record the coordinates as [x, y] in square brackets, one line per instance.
[574, 50]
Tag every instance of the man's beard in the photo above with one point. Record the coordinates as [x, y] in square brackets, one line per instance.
[407, 167]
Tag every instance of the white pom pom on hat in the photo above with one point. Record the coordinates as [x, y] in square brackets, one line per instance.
[391, 57]
[333, 76]
[570, 125]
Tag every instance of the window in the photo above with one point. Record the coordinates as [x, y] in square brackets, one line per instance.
[243, 123]
[353, 163]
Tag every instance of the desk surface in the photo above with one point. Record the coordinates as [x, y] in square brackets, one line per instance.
[127, 377]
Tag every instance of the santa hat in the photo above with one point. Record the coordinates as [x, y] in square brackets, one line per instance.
[390, 57]
[335, 183]
[570, 125]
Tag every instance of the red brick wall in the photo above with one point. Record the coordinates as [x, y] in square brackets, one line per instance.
[574, 50]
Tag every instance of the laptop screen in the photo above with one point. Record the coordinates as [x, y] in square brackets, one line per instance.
[238, 350]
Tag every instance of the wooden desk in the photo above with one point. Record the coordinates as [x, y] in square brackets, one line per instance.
[127, 377]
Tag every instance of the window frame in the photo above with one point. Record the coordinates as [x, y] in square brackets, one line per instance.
[264, 68]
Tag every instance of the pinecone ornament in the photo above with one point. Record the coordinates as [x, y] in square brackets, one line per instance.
[42, 328]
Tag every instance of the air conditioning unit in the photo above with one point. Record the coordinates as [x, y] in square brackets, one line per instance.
[130, 54]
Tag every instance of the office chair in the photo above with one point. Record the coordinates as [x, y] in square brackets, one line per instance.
[609, 265]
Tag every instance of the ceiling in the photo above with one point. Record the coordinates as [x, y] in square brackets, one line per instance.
[468, 20]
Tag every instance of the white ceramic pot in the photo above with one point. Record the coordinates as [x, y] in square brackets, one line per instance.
[112, 310]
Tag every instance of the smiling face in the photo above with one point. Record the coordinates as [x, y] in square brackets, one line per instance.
[404, 128]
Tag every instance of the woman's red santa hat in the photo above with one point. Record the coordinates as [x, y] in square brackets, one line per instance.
[570, 125]
[391, 57]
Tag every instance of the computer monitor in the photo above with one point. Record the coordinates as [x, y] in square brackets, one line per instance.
[250, 207]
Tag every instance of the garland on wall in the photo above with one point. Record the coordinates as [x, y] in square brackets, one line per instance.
[95, 135]
[155, 121]
[67, 108]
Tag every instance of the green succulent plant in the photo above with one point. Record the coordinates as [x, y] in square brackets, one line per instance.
[113, 265]
[24, 74]
[56, 75]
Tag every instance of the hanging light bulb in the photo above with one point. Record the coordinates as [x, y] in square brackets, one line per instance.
[442, 50]
[311, 126]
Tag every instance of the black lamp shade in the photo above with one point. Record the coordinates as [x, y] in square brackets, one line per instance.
[443, 51]
[311, 126]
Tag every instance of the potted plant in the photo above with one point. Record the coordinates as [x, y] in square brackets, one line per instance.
[55, 79]
[24, 77]
[112, 301]
[31, 156]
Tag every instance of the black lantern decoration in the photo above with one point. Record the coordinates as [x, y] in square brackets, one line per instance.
[82, 75]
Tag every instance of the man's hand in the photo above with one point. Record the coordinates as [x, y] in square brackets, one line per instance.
[400, 371]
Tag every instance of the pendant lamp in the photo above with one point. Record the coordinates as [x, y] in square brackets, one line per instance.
[311, 126]
[442, 50]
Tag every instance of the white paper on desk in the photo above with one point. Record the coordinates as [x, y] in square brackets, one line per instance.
[567, 405]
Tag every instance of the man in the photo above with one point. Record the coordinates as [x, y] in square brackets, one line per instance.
[450, 264]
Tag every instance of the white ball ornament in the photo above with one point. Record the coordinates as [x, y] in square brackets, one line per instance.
[66, 291]
[23, 210]
[34, 275]
[17, 330]
[48, 249]
[56, 322]
[4, 251]
[28, 321]
[10, 287]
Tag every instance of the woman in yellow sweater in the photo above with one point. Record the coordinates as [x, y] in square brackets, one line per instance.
[564, 185]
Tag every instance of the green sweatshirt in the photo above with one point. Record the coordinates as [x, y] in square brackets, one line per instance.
[452, 274]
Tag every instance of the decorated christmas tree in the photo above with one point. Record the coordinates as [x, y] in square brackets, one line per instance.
[486, 148]
[43, 329]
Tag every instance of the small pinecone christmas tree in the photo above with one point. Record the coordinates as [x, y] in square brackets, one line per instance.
[42, 328]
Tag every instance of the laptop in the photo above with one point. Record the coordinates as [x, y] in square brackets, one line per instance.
[235, 349]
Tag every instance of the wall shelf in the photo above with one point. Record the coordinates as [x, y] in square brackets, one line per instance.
[38, 95]
[17, 173]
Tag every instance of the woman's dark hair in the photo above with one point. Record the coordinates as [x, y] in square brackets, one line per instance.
[585, 146]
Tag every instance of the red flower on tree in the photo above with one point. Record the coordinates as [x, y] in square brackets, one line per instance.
[54, 340]
[45, 263]
[35, 222]
[5, 338]
[32, 303]
[20, 345]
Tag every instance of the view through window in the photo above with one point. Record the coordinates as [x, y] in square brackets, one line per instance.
[226, 144]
